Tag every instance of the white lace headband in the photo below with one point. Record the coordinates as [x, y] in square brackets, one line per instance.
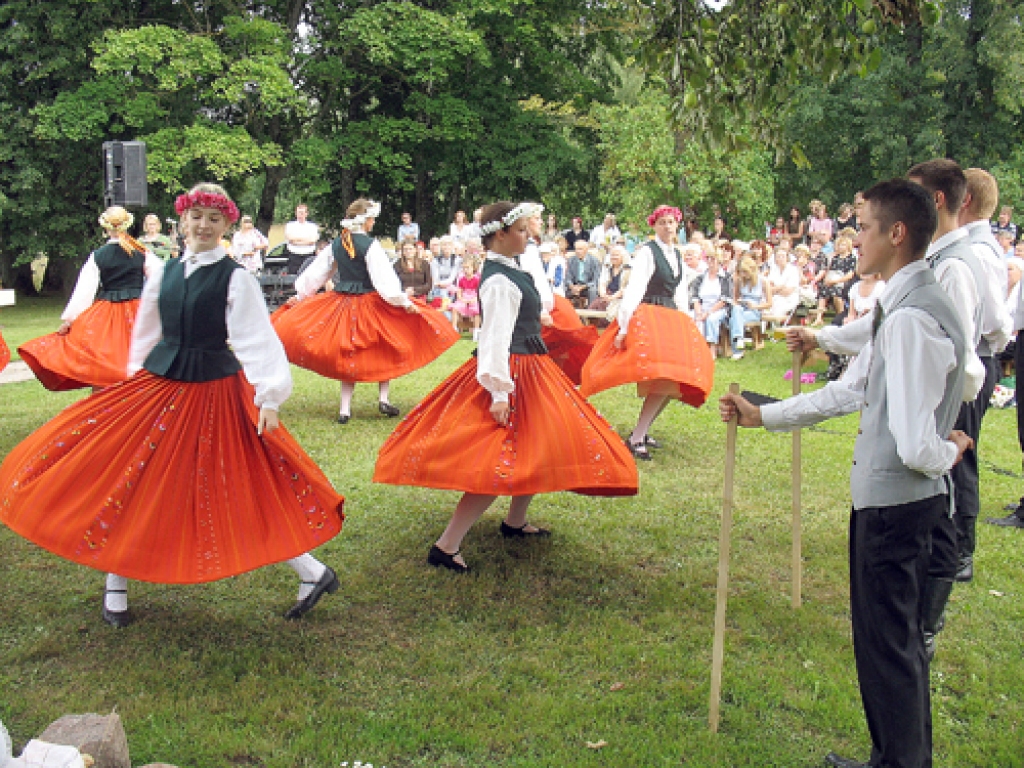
[523, 210]
[357, 221]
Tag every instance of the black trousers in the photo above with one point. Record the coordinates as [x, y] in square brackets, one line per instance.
[965, 473]
[889, 554]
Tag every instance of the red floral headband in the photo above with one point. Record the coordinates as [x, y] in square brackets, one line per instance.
[664, 210]
[207, 200]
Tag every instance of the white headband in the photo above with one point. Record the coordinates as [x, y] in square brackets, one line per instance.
[357, 221]
[521, 211]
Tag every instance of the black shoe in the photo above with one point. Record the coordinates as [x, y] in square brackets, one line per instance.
[835, 761]
[327, 583]
[639, 450]
[118, 619]
[1010, 521]
[1011, 507]
[650, 442]
[343, 418]
[966, 570]
[438, 557]
[388, 409]
[521, 533]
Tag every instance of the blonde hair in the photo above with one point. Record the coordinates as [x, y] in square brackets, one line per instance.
[116, 219]
[358, 207]
[746, 271]
[848, 241]
[984, 192]
[802, 250]
[210, 188]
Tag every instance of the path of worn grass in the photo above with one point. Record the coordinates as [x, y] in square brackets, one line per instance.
[602, 633]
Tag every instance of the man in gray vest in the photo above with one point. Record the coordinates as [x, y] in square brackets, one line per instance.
[908, 385]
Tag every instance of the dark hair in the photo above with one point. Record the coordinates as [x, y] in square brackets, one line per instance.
[494, 212]
[941, 175]
[907, 202]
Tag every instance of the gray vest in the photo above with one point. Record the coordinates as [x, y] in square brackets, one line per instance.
[879, 477]
[983, 236]
[961, 249]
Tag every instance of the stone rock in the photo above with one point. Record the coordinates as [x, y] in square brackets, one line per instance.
[101, 736]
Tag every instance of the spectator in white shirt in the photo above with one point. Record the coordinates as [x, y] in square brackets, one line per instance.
[301, 236]
[248, 245]
[408, 229]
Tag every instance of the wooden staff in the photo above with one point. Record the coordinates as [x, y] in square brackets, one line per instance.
[724, 545]
[797, 559]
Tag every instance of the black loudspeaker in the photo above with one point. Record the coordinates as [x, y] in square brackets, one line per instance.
[124, 173]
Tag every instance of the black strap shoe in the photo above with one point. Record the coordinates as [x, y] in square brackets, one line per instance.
[639, 451]
[327, 583]
[388, 409]
[438, 557]
[118, 619]
[521, 533]
[343, 418]
[650, 442]
[1010, 521]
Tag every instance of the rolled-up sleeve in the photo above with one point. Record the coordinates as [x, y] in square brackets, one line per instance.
[499, 304]
[255, 343]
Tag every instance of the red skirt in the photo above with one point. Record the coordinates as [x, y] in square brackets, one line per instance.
[555, 440]
[361, 337]
[5, 353]
[167, 481]
[94, 353]
[569, 341]
[664, 352]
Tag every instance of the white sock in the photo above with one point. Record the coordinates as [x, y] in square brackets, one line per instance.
[347, 388]
[310, 570]
[116, 598]
[385, 391]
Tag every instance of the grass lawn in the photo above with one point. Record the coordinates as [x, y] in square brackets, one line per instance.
[601, 634]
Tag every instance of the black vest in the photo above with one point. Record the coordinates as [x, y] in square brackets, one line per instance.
[661, 288]
[526, 338]
[353, 275]
[121, 273]
[195, 342]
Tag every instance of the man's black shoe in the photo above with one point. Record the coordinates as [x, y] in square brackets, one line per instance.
[832, 760]
[1010, 521]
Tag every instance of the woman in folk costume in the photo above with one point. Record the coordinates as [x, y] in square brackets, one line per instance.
[367, 328]
[180, 474]
[652, 343]
[90, 349]
[508, 422]
[568, 340]
[5, 353]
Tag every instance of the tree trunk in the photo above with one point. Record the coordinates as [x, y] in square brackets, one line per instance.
[424, 214]
[21, 280]
[268, 198]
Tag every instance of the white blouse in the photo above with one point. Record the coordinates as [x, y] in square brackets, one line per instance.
[89, 283]
[642, 268]
[532, 263]
[382, 275]
[250, 334]
[499, 305]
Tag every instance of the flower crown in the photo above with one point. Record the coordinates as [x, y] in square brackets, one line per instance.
[207, 200]
[523, 210]
[664, 210]
[121, 227]
[357, 221]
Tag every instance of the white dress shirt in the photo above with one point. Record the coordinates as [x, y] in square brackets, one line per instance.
[641, 271]
[301, 230]
[996, 322]
[89, 283]
[918, 357]
[499, 305]
[382, 275]
[251, 336]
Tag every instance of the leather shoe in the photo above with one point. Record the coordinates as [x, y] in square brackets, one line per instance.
[1010, 521]
[438, 557]
[521, 533]
[343, 418]
[327, 583]
[835, 761]
[1011, 507]
[117, 619]
[388, 409]
[965, 572]
[650, 442]
[639, 451]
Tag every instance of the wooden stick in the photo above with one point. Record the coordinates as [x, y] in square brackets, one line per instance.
[797, 566]
[724, 545]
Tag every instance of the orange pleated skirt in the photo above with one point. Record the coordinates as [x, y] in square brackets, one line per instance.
[94, 353]
[569, 341]
[5, 353]
[361, 337]
[167, 481]
[555, 440]
[664, 352]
